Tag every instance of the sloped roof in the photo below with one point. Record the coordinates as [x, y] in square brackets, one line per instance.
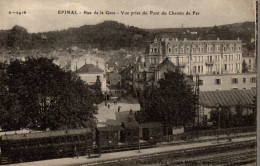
[89, 68]
[45, 134]
[166, 62]
[132, 124]
[227, 98]
[110, 128]
[150, 125]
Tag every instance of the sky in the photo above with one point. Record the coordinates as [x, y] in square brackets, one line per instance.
[42, 15]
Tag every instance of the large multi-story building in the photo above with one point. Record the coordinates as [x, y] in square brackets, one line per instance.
[217, 62]
[197, 56]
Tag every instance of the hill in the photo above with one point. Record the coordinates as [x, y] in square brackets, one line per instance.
[111, 35]
[245, 31]
[105, 36]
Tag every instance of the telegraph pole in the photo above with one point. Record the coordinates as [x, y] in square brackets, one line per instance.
[219, 109]
[139, 140]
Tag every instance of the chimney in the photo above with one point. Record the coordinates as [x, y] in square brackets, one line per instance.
[238, 38]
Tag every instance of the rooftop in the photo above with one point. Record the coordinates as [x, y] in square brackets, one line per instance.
[45, 134]
[89, 68]
[227, 98]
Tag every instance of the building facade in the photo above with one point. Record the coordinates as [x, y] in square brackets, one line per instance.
[238, 81]
[250, 63]
[90, 73]
[197, 56]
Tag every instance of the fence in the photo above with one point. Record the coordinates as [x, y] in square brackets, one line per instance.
[214, 132]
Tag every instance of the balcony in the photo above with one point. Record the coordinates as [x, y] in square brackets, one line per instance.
[210, 63]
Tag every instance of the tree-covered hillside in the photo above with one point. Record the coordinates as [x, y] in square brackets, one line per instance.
[111, 35]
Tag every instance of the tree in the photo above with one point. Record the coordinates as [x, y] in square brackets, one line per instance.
[172, 103]
[41, 95]
[98, 96]
[244, 67]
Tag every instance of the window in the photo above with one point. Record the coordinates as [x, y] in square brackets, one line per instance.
[244, 80]
[234, 80]
[253, 80]
[249, 61]
[218, 81]
[201, 69]
[253, 87]
[200, 82]
[194, 69]
[198, 69]
[170, 50]
[225, 67]
[225, 58]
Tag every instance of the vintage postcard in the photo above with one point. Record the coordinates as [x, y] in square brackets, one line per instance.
[129, 82]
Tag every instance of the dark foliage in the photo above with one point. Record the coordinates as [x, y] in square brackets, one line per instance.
[229, 119]
[98, 96]
[172, 103]
[109, 35]
[244, 67]
[40, 95]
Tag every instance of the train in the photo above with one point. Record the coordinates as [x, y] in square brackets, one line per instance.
[16, 148]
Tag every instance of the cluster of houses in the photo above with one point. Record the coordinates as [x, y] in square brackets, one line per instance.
[215, 67]
[217, 64]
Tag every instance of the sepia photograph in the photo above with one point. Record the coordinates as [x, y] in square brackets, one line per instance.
[128, 82]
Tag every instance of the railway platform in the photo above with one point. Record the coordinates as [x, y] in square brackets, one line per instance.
[84, 160]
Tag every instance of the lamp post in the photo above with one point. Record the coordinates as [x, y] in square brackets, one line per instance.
[219, 109]
[139, 140]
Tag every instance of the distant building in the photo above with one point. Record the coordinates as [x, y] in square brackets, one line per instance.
[250, 60]
[193, 33]
[89, 73]
[197, 56]
[113, 78]
[214, 82]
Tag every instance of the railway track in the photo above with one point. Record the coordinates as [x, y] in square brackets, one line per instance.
[230, 158]
[184, 154]
[205, 140]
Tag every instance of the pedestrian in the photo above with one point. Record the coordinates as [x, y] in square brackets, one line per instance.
[108, 106]
[118, 110]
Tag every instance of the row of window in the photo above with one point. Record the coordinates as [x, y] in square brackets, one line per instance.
[197, 69]
[47, 141]
[201, 49]
[233, 81]
[229, 67]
